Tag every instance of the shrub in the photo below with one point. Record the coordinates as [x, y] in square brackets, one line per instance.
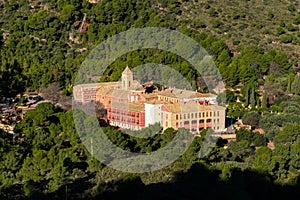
[291, 8]
[215, 23]
[280, 31]
[297, 20]
[236, 42]
[251, 118]
[197, 23]
[286, 38]
[292, 28]
[212, 12]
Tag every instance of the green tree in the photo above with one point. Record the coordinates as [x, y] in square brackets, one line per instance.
[252, 98]
[288, 135]
[251, 118]
[240, 150]
[262, 158]
[67, 12]
[295, 86]
[264, 103]
[227, 96]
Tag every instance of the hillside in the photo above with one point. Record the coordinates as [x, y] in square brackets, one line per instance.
[269, 24]
[254, 44]
[46, 41]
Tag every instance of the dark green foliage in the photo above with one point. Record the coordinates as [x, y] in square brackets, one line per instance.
[286, 38]
[52, 160]
[295, 85]
[226, 97]
[289, 134]
[264, 103]
[42, 56]
[38, 49]
[46, 159]
[251, 118]
[297, 21]
[197, 23]
[253, 138]
[280, 31]
[291, 8]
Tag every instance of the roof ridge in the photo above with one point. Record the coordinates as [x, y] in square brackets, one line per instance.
[126, 70]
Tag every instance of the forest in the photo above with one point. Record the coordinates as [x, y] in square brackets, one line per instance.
[44, 43]
[46, 159]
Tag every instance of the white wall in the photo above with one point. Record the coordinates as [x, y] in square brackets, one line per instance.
[152, 114]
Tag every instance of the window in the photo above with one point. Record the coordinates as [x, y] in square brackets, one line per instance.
[194, 122]
[176, 124]
[186, 122]
[192, 115]
[201, 121]
[184, 116]
[176, 117]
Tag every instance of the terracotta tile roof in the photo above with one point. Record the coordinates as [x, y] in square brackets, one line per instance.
[117, 93]
[178, 93]
[139, 107]
[191, 107]
[95, 85]
[106, 91]
[150, 95]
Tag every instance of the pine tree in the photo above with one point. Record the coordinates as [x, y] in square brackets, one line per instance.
[252, 98]
[257, 102]
[289, 82]
[264, 103]
[295, 87]
[247, 96]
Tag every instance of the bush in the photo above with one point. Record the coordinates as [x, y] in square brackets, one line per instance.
[286, 38]
[292, 28]
[297, 20]
[291, 8]
[251, 119]
[212, 12]
[272, 132]
[280, 31]
[197, 23]
[215, 23]
[236, 42]
[281, 24]
[270, 15]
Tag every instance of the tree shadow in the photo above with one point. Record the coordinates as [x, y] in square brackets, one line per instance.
[202, 183]
[198, 182]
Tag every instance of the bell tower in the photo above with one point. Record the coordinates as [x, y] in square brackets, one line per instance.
[127, 79]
